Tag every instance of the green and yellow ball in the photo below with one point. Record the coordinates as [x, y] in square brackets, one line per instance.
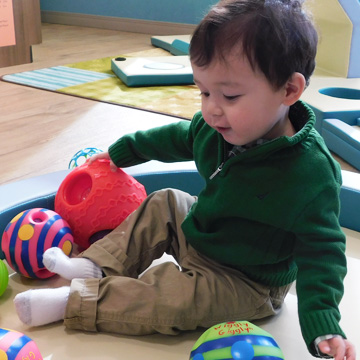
[236, 340]
[4, 277]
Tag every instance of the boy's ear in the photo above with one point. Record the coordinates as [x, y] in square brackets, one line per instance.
[294, 88]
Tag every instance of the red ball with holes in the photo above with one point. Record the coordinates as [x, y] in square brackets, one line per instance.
[94, 200]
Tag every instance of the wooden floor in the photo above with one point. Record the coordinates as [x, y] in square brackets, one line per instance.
[40, 130]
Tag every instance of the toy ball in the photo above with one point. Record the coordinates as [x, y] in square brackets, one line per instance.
[29, 234]
[16, 346]
[4, 278]
[94, 199]
[237, 340]
[81, 156]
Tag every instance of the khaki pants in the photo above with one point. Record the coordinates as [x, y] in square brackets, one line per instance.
[167, 298]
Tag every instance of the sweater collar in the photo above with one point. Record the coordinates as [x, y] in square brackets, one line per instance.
[303, 120]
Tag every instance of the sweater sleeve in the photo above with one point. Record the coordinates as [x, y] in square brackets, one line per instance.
[321, 261]
[169, 143]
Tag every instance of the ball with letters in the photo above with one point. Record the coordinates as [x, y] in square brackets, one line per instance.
[29, 234]
[237, 340]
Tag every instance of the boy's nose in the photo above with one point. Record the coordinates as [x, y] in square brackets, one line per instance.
[214, 109]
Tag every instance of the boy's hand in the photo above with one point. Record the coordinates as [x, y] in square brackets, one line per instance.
[103, 155]
[339, 348]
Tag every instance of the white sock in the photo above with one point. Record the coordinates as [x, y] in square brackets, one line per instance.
[57, 262]
[42, 306]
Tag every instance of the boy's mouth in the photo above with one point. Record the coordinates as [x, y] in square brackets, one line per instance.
[221, 130]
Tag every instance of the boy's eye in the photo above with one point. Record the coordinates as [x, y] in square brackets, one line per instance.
[231, 97]
[204, 93]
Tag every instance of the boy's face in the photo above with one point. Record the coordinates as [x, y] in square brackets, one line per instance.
[240, 103]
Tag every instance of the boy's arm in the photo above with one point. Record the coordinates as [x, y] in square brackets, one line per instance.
[169, 143]
[321, 261]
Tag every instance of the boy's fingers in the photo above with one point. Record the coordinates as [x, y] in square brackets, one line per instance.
[350, 351]
[113, 167]
[95, 157]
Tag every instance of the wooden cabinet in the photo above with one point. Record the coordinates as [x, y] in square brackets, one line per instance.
[27, 21]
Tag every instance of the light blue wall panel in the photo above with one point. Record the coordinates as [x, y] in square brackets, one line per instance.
[177, 11]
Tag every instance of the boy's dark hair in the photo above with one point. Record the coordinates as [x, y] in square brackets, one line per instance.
[276, 36]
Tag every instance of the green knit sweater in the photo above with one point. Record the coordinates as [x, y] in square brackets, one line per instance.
[271, 211]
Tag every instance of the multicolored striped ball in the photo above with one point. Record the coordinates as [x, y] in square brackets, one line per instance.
[236, 340]
[16, 346]
[29, 234]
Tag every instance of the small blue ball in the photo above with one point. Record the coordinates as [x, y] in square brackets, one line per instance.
[82, 155]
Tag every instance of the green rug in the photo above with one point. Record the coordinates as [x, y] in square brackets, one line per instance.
[94, 80]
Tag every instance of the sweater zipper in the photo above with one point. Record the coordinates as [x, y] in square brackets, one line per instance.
[220, 167]
[217, 170]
